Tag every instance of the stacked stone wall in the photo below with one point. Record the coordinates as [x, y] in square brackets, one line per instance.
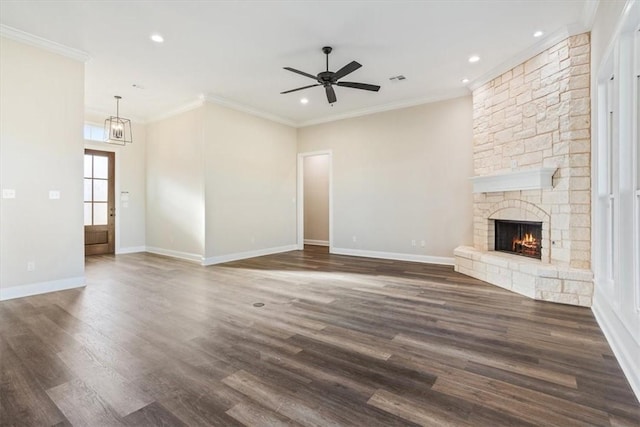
[537, 115]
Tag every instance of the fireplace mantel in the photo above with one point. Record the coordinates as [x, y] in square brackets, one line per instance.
[528, 179]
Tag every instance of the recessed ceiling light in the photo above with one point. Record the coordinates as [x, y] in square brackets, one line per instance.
[538, 33]
[157, 38]
[465, 80]
[304, 101]
[474, 58]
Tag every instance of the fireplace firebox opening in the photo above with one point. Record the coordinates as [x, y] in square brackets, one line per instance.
[519, 237]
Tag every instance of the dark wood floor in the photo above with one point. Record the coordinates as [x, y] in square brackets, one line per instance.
[339, 341]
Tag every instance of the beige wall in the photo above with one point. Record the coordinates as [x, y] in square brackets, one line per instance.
[220, 185]
[316, 198]
[399, 176]
[41, 119]
[250, 183]
[130, 178]
[175, 186]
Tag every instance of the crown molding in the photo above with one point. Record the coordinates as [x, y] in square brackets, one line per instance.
[37, 41]
[202, 99]
[249, 110]
[589, 13]
[456, 93]
[523, 56]
[177, 110]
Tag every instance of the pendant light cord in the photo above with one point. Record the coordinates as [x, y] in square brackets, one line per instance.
[117, 97]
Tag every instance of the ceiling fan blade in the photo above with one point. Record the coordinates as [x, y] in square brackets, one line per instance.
[300, 88]
[331, 94]
[362, 86]
[347, 69]
[302, 73]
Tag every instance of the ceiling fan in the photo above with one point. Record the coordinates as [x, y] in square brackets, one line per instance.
[330, 78]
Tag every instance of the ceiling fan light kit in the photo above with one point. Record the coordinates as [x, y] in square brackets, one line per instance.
[330, 78]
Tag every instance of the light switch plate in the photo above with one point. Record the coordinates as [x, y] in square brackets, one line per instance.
[8, 193]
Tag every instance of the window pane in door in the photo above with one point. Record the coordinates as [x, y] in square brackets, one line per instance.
[87, 214]
[99, 214]
[88, 165]
[87, 189]
[100, 187]
[100, 167]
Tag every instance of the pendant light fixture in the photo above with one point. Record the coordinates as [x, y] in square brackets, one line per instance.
[117, 130]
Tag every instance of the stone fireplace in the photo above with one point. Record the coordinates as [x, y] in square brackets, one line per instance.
[532, 165]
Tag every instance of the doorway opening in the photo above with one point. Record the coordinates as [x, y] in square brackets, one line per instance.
[99, 202]
[315, 199]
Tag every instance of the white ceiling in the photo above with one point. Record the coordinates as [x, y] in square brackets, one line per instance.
[234, 51]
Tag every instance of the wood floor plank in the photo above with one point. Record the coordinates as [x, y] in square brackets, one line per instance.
[51, 334]
[417, 411]
[278, 400]
[339, 341]
[82, 405]
[40, 360]
[253, 415]
[155, 415]
[524, 403]
[122, 395]
[530, 369]
[22, 400]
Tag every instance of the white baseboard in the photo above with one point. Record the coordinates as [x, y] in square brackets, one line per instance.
[395, 256]
[625, 348]
[131, 250]
[248, 254]
[175, 254]
[41, 288]
[316, 242]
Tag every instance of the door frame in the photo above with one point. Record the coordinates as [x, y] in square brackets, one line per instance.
[88, 145]
[300, 197]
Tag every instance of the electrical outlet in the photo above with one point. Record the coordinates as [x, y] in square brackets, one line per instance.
[54, 194]
[423, 243]
[413, 243]
[514, 164]
[31, 266]
[8, 193]
[354, 239]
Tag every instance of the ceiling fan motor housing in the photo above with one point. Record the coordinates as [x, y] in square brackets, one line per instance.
[326, 77]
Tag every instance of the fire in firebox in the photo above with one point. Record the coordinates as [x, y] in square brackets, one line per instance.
[519, 237]
[528, 245]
